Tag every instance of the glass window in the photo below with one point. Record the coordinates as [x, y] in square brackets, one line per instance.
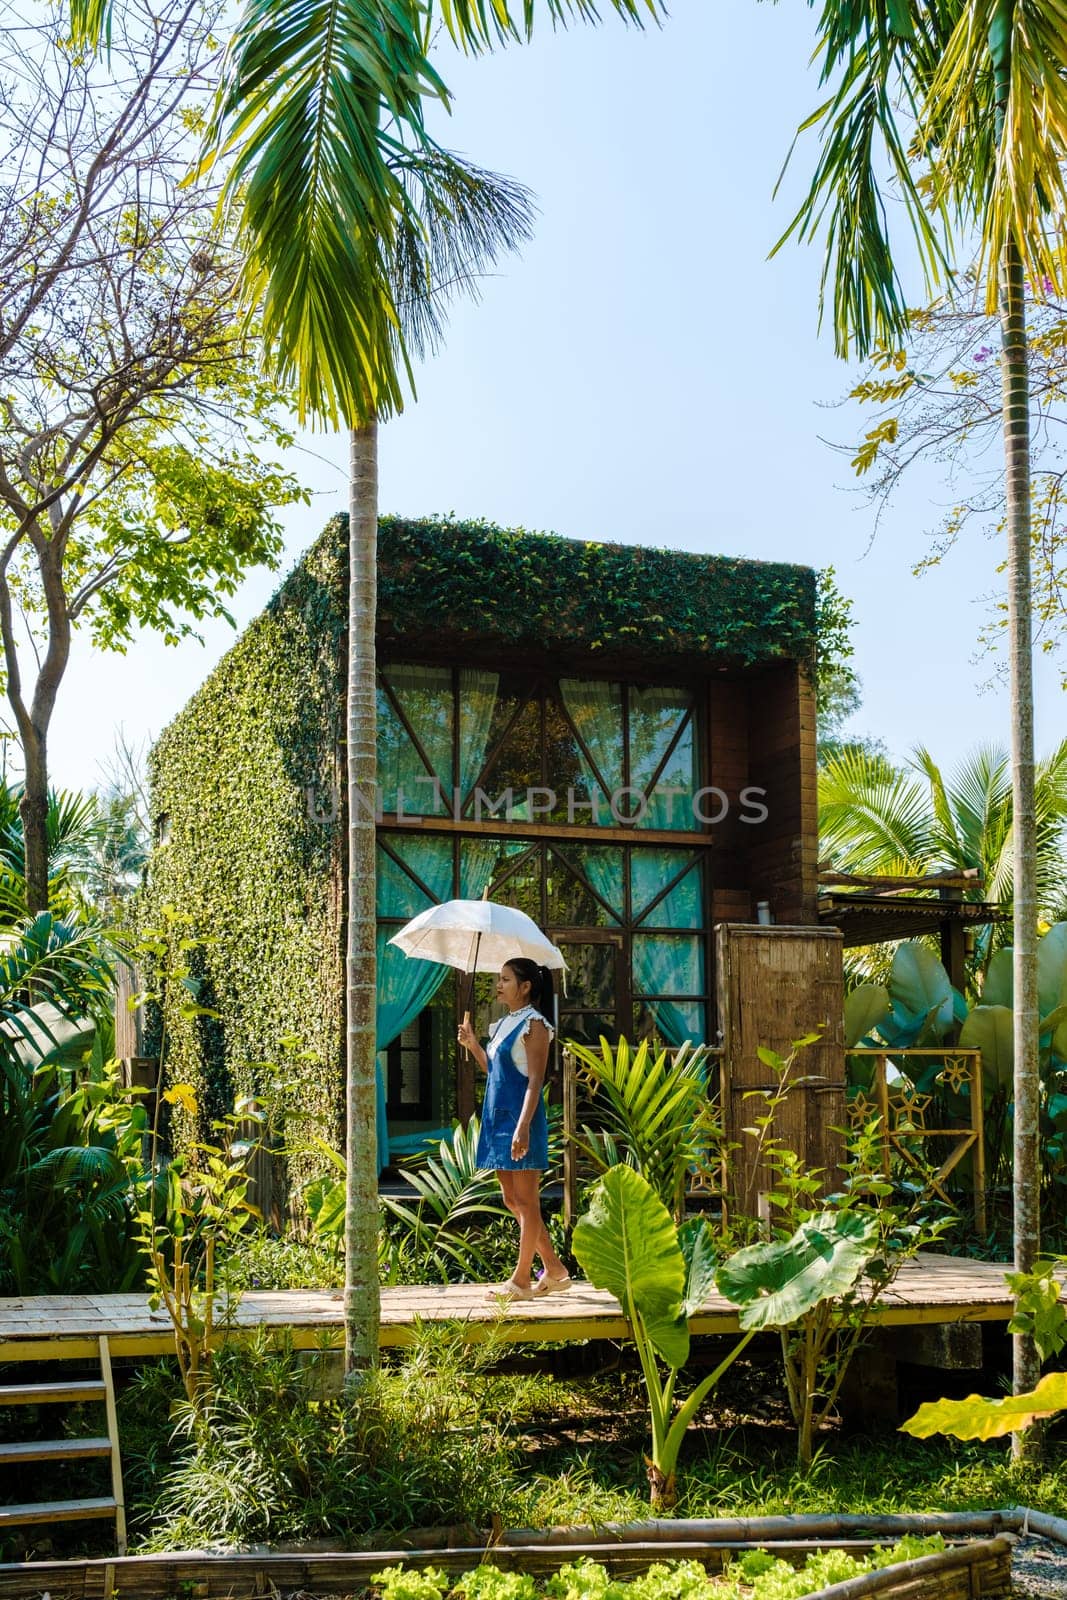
[477, 706]
[566, 770]
[399, 764]
[431, 862]
[681, 907]
[580, 879]
[595, 708]
[668, 963]
[588, 1027]
[517, 881]
[516, 766]
[656, 715]
[592, 975]
[670, 1021]
[424, 695]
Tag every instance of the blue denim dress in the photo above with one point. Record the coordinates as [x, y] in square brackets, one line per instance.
[504, 1095]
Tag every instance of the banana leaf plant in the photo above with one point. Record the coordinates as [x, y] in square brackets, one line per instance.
[919, 1007]
[660, 1273]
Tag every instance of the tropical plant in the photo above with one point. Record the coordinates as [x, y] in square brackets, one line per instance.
[1040, 1314]
[195, 1201]
[274, 1453]
[987, 86]
[67, 1151]
[74, 835]
[875, 817]
[871, 1236]
[919, 1008]
[443, 1233]
[661, 1274]
[651, 1110]
[628, 1243]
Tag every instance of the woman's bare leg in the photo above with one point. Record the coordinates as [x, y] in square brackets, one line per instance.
[534, 1238]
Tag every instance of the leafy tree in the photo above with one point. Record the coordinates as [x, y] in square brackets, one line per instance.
[135, 484]
[940, 402]
[838, 691]
[987, 83]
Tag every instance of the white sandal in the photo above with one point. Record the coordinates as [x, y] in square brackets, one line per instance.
[510, 1291]
[546, 1285]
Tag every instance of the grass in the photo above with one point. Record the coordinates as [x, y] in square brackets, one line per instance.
[453, 1435]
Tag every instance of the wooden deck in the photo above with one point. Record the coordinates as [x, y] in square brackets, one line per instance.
[930, 1289]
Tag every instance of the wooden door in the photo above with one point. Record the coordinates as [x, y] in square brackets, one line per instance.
[775, 985]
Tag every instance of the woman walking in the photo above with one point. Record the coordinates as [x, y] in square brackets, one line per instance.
[514, 1135]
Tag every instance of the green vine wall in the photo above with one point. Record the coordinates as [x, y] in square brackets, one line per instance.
[262, 878]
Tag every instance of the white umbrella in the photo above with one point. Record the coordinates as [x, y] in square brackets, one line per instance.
[476, 936]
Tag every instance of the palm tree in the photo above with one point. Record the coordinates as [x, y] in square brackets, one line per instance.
[356, 226]
[963, 103]
[346, 217]
[875, 817]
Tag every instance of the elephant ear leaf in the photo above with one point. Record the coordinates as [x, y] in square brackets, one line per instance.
[919, 985]
[628, 1244]
[1052, 968]
[989, 1029]
[776, 1284]
[978, 1418]
[697, 1240]
[999, 986]
[864, 1009]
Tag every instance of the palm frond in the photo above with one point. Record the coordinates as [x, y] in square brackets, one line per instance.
[90, 23]
[460, 220]
[478, 24]
[78, 1164]
[54, 961]
[949, 839]
[872, 816]
[1011, 82]
[879, 57]
[314, 99]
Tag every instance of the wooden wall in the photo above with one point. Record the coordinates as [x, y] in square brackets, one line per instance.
[762, 733]
[776, 985]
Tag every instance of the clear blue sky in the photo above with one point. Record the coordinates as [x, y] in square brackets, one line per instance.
[643, 373]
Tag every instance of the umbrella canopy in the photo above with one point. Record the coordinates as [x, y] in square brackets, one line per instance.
[476, 936]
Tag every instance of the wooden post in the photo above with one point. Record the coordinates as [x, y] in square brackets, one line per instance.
[570, 1148]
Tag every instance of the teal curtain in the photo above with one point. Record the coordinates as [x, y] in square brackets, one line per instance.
[671, 964]
[602, 864]
[654, 717]
[406, 985]
[595, 708]
[650, 869]
[424, 694]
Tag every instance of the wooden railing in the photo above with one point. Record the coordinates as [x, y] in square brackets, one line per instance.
[903, 1115]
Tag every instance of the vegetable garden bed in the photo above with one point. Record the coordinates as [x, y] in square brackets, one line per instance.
[975, 1565]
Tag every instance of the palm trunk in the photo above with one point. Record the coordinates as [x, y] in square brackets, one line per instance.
[1015, 367]
[362, 1298]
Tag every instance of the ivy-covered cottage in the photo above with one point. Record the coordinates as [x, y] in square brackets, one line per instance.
[619, 740]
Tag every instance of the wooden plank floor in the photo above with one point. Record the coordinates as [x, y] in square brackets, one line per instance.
[932, 1288]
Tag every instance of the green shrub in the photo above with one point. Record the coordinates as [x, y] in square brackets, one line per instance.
[274, 1455]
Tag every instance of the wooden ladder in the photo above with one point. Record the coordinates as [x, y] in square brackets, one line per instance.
[35, 1394]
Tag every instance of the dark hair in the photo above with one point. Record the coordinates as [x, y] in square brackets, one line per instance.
[542, 990]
